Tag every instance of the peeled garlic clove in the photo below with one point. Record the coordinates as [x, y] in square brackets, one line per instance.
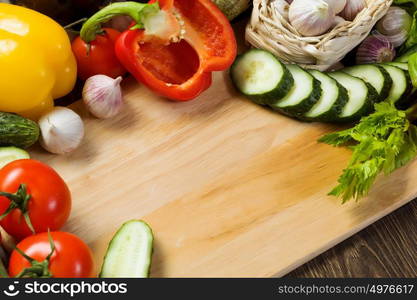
[311, 17]
[62, 130]
[352, 8]
[102, 96]
[337, 5]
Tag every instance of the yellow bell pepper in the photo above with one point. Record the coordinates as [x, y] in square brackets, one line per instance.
[36, 61]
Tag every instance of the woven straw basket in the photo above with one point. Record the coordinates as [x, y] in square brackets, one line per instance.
[269, 30]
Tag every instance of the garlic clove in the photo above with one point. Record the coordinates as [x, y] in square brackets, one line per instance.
[337, 5]
[395, 25]
[62, 130]
[338, 21]
[102, 95]
[282, 7]
[352, 9]
[311, 17]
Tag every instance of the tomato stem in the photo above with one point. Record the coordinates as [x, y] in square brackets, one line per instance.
[38, 269]
[3, 271]
[19, 200]
[66, 27]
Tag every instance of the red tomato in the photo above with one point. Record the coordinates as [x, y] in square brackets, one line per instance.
[50, 203]
[71, 259]
[100, 58]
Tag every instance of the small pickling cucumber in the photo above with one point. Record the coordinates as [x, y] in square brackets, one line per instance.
[401, 84]
[260, 76]
[361, 96]
[17, 131]
[401, 65]
[9, 154]
[375, 75]
[305, 92]
[333, 98]
[232, 8]
[129, 253]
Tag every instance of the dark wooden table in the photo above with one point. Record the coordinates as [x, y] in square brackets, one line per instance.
[388, 248]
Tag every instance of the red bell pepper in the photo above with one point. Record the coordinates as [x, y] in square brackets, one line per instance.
[172, 51]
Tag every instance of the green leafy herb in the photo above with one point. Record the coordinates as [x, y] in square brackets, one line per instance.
[412, 34]
[381, 142]
[409, 5]
[412, 68]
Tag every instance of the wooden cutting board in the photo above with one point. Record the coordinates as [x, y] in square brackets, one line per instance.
[229, 188]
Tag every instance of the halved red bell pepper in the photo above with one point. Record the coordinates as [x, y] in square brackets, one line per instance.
[176, 60]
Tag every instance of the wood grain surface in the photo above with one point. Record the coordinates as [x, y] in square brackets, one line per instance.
[229, 188]
[388, 248]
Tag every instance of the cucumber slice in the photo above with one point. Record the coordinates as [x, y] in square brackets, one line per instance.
[305, 92]
[361, 96]
[333, 98]
[403, 66]
[401, 86]
[129, 252]
[9, 154]
[375, 76]
[260, 76]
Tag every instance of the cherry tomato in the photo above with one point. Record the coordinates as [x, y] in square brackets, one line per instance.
[99, 57]
[49, 204]
[72, 258]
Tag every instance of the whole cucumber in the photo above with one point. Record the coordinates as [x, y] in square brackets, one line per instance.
[232, 8]
[17, 131]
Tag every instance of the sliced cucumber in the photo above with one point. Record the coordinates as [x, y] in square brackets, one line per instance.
[9, 154]
[361, 96]
[375, 75]
[333, 98]
[129, 252]
[401, 86]
[401, 65]
[260, 76]
[305, 92]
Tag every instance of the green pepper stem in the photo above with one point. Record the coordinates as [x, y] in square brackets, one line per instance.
[137, 11]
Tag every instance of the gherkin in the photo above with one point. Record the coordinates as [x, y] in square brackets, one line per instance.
[232, 8]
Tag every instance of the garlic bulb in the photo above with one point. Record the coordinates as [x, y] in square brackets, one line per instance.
[375, 49]
[282, 7]
[352, 8]
[395, 25]
[311, 17]
[62, 130]
[102, 96]
[337, 5]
